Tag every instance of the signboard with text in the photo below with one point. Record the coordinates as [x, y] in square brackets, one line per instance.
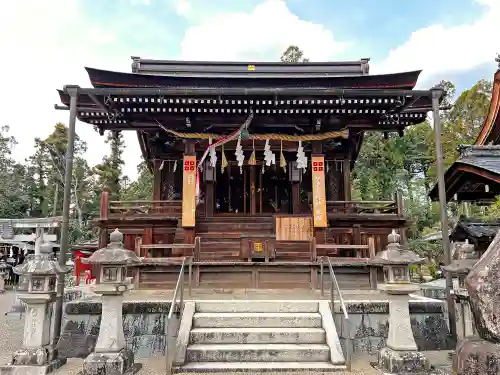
[189, 191]
[319, 193]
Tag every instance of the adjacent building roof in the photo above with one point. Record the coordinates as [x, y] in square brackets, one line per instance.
[468, 176]
[490, 133]
[475, 176]
[467, 229]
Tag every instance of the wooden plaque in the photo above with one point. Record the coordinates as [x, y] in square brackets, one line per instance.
[189, 191]
[319, 194]
[294, 228]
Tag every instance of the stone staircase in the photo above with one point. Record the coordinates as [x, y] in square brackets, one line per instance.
[235, 336]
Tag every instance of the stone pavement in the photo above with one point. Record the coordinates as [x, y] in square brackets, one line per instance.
[11, 332]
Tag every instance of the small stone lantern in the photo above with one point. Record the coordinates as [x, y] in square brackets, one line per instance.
[4, 266]
[38, 355]
[466, 260]
[110, 354]
[400, 355]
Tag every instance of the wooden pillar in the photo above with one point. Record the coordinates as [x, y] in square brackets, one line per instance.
[169, 193]
[398, 197]
[346, 170]
[209, 198]
[189, 193]
[295, 177]
[104, 211]
[253, 197]
[209, 179]
[296, 198]
[157, 180]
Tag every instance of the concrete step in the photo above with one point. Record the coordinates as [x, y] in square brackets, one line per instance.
[259, 367]
[265, 320]
[257, 336]
[258, 353]
[257, 306]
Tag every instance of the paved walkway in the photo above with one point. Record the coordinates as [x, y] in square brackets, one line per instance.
[11, 332]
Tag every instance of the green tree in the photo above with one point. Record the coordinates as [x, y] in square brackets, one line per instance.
[14, 192]
[142, 188]
[109, 172]
[293, 54]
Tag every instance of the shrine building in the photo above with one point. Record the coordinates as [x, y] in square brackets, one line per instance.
[252, 167]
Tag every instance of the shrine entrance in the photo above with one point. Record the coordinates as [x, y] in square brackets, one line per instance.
[251, 192]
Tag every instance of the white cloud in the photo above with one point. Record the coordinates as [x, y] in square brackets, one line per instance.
[259, 35]
[438, 49]
[183, 8]
[45, 45]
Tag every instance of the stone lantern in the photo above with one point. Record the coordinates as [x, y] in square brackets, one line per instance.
[466, 259]
[110, 354]
[400, 355]
[4, 266]
[37, 355]
[460, 267]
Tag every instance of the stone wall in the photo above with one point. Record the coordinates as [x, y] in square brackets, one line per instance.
[369, 325]
[144, 326]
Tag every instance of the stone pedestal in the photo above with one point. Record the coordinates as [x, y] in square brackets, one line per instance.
[37, 355]
[401, 356]
[2, 282]
[110, 356]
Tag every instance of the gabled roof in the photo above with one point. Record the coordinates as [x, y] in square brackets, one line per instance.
[476, 168]
[474, 229]
[490, 133]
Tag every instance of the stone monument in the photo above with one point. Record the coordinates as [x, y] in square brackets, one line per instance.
[481, 355]
[111, 357]
[400, 355]
[37, 355]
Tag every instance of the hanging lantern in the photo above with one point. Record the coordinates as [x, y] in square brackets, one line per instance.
[244, 134]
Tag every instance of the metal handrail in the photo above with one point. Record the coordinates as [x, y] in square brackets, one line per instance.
[335, 284]
[179, 288]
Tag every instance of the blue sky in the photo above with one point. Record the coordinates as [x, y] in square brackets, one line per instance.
[53, 40]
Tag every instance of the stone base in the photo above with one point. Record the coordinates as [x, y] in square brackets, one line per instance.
[475, 356]
[402, 362]
[33, 369]
[121, 363]
[36, 357]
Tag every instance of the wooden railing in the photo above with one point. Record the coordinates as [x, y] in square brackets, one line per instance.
[145, 207]
[138, 208]
[393, 207]
[360, 251]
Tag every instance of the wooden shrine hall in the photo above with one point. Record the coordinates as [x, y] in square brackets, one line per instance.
[251, 165]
